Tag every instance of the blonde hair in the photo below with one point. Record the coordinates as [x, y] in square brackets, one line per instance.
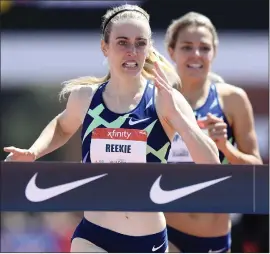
[189, 19]
[113, 15]
[192, 19]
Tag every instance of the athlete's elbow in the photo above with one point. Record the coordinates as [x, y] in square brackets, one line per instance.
[63, 133]
[215, 159]
[211, 159]
[208, 158]
[256, 160]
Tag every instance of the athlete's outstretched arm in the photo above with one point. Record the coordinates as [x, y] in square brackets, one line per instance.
[247, 151]
[202, 148]
[55, 134]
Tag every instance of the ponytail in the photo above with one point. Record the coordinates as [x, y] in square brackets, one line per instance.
[70, 84]
[165, 65]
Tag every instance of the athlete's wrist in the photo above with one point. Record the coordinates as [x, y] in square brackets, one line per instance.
[226, 147]
[33, 153]
[230, 152]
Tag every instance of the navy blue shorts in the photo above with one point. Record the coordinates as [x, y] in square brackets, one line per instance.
[193, 244]
[112, 241]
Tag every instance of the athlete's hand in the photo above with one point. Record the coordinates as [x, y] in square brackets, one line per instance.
[165, 97]
[217, 130]
[17, 154]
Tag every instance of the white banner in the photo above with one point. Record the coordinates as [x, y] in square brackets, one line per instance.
[35, 58]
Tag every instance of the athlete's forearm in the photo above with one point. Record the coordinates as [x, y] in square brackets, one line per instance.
[51, 138]
[234, 156]
[202, 149]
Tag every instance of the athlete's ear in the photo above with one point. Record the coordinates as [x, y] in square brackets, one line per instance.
[171, 53]
[215, 54]
[104, 48]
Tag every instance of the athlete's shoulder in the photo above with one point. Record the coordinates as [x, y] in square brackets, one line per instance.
[81, 94]
[229, 90]
[82, 91]
[80, 98]
[233, 97]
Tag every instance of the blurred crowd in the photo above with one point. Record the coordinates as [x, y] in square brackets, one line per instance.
[51, 232]
[37, 232]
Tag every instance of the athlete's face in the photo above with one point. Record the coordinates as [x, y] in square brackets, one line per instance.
[128, 47]
[193, 53]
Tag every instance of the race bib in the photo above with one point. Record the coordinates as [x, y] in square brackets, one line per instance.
[117, 145]
[179, 151]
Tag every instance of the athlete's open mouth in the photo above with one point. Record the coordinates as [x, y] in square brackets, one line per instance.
[195, 66]
[130, 64]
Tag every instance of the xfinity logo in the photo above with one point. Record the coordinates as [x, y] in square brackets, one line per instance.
[160, 196]
[119, 134]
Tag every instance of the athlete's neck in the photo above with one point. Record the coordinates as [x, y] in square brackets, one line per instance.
[195, 90]
[120, 87]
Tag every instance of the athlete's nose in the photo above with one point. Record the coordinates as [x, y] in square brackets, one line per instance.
[131, 50]
[196, 52]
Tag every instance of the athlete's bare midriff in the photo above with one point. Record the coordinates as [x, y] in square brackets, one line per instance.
[199, 224]
[131, 223]
[128, 223]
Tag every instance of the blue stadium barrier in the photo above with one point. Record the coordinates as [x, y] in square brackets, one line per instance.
[60, 186]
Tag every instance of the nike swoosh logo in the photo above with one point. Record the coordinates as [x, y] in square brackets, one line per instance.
[157, 248]
[137, 121]
[35, 194]
[217, 251]
[160, 196]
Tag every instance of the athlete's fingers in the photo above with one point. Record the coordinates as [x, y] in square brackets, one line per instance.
[157, 76]
[219, 137]
[158, 84]
[203, 124]
[217, 127]
[213, 118]
[159, 71]
[161, 74]
[217, 133]
[10, 149]
[210, 123]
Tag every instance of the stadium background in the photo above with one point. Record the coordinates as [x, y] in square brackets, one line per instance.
[44, 43]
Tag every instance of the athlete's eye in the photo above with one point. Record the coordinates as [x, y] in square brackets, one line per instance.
[186, 48]
[122, 43]
[205, 48]
[141, 43]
